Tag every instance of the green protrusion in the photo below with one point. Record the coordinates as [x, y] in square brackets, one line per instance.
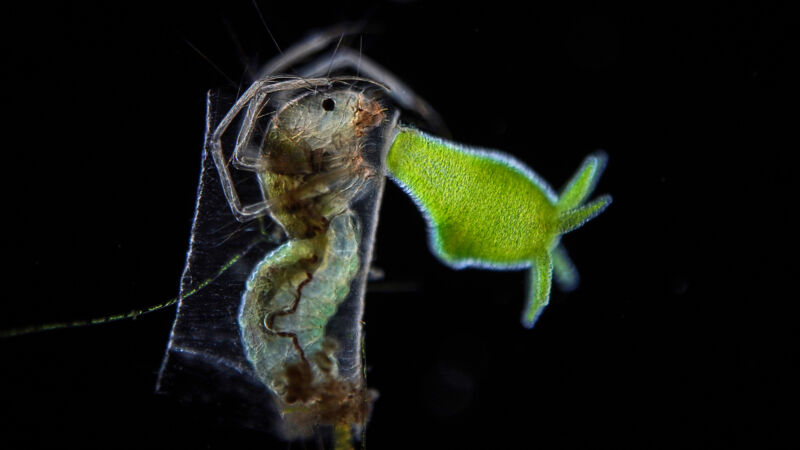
[486, 209]
[583, 182]
[574, 218]
[541, 278]
[564, 270]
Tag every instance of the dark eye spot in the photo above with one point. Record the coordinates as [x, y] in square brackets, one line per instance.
[328, 104]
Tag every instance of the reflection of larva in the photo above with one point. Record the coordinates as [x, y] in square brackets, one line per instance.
[312, 169]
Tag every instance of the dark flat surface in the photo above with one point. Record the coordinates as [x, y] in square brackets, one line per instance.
[682, 334]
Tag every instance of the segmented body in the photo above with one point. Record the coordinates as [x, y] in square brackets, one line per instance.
[313, 171]
[290, 297]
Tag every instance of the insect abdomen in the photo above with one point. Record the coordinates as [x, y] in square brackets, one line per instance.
[290, 298]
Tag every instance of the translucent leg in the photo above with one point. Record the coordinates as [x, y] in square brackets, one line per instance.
[253, 99]
[343, 57]
[305, 48]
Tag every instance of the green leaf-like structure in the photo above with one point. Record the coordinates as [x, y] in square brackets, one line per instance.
[486, 209]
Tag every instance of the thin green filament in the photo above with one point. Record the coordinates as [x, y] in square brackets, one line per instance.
[116, 317]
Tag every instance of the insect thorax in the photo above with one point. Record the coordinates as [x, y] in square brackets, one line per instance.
[314, 166]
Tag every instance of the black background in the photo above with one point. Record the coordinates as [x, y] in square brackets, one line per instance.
[682, 334]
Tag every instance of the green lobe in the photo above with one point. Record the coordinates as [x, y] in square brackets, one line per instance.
[481, 207]
[486, 209]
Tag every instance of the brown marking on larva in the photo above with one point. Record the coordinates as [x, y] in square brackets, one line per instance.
[368, 114]
[295, 343]
[334, 401]
[270, 319]
[268, 323]
[298, 382]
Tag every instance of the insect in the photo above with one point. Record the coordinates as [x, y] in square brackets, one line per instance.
[311, 170]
